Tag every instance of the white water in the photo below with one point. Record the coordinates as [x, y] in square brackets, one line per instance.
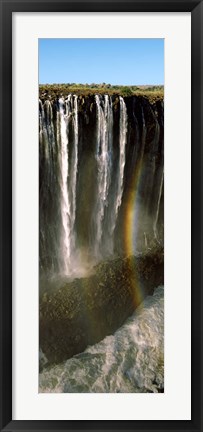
[68, 182]
[103, 157]
[122, 144]
[130, 361]
[104, 238]
[105, 206]
[43, 132]
[65, 200]
[47, 137]
[121, 165]
[74, 171]
[41, 122]
[50, 126]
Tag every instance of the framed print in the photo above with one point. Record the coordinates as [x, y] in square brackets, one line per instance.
[101, 215]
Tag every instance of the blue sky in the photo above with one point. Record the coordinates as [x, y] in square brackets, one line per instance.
[113, 61]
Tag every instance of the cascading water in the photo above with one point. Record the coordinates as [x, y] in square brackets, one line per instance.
[104, 239]
[90, 148]
[123, 137]
[46, 135]
[68, 182]
[41, 123]
[65, 200]
[103, 158]
[74, 170]
[121, 164]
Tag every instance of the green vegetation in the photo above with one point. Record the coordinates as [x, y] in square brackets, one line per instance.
[53, 90]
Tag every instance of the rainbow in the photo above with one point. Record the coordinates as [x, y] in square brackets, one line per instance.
[130, 228]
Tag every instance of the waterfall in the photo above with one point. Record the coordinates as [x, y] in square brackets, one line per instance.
[74, 171]
[41, 122]
[43, 134]
[65, 200]
[68, 184]
[50, 127]
[103, 158]
[90, 148]
[47, 138]
[47, 184]
[122, 145]
[121, 165]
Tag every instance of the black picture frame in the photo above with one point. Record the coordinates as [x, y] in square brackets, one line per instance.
[7, 7]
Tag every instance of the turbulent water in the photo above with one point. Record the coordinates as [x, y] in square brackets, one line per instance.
[130, 360]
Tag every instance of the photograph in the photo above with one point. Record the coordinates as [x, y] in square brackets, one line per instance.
[101, 215]
[101, 199]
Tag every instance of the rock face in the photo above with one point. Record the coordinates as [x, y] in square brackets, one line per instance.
[84, 311]
[143, 174]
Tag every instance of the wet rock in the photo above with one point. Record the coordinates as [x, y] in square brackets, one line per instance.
[86, 310]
